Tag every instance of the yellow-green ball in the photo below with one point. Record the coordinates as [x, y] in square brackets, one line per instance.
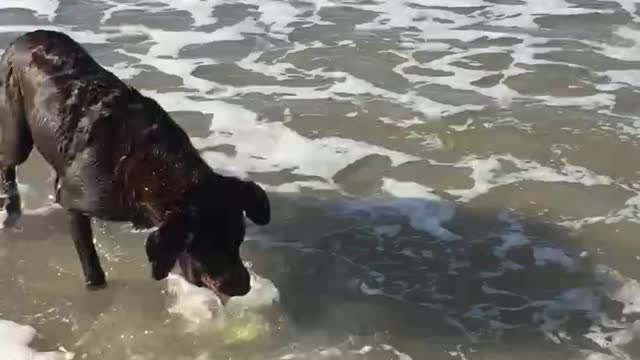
[242, 332]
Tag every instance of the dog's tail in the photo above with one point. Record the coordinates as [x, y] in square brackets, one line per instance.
[9, 81]
[15, 136]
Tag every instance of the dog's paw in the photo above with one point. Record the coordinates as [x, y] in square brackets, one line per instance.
[97, 282]
[10, 219]
[12, 210]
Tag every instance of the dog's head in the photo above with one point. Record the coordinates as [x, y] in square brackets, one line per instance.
[205, 240]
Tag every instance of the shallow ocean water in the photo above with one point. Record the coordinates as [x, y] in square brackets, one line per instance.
[447, 181]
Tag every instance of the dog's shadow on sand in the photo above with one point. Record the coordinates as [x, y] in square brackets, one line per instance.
[355, 267]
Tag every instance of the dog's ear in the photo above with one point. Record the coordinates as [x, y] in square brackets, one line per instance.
[255, 203]
[164, 245]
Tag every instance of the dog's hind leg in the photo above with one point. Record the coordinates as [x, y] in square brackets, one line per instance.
[10, 195]
[16, 142]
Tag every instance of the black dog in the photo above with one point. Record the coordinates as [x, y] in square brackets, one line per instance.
[118, 156]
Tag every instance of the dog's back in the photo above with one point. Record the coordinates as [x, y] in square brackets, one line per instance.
[69, 98]
[88, 124]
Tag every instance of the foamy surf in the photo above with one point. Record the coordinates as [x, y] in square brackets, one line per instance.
[14, 344]
[384, 351]
[202, 310]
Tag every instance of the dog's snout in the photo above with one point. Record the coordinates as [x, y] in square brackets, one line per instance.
[237, 282]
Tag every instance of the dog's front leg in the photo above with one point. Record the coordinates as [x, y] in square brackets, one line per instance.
[83, 239]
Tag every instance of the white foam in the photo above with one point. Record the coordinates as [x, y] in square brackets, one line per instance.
[271, 146]
[263, 294]
[275, 18]
[202, 309]
[387, 230]
[199, 10]
[402, 15]
[124, 70]
[463, 78]
[424, 210]
[114, 6]
[511, 240]
[585, 102]
[399, 14]
[488, 173]
[614, 339]
[297, 186]
[14, 344]
[344, 83]
[592, 355]
[405, 123]
[625, 53]
[620, 288]
[630, 212]
[399, 354]
[278, 15]
[370, 291]
[46, 8]
[195, 304]
[182, 68]
[169, 43]
[524, 16]
[609, 334]
[545, 255]
[339, 352]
